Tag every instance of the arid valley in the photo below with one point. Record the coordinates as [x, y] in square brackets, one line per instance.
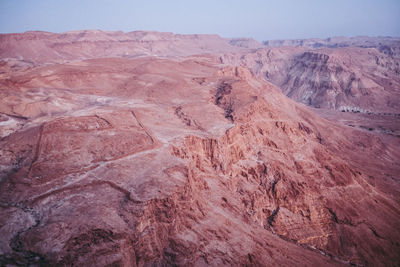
[158, 149]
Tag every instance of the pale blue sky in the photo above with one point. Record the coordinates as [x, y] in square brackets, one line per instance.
[262, 20]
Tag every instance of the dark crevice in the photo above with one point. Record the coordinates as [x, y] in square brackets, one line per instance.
[273, 186]
[319, 138]
[186, 119]
[223, 90]
[103, 119]
[271, 218]
[334, 216]
[346, 222]
[37, 150]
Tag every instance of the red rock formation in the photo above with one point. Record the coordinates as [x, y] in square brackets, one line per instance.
[345, 79]
[386, 45]
[185, 162]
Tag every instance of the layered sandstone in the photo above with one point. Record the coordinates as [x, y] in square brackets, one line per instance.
[347, 79]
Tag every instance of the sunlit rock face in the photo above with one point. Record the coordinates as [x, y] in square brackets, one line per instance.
[145, 148]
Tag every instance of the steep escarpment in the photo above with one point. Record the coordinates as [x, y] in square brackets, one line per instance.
[387, 45]
[188, 162]
[345, 79]
[272, 169]
[351, 83]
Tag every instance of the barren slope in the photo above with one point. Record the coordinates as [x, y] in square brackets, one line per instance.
[183, 162]
[346, 79]
[130, 160]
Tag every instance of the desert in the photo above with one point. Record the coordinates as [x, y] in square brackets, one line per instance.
[156, 149]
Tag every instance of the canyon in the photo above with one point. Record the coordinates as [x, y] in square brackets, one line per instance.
[159, 149]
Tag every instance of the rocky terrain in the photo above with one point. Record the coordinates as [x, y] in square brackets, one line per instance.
[387, 45]
[349, 79]
[45, 47]
[144, 148]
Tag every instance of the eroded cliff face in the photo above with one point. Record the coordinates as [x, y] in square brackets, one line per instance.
[387, 45]
[347, 79]
[149, 161]
[280, 169]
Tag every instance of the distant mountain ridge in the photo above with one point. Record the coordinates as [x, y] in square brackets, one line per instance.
[39, 47]
[387, 45]
[359, 74]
